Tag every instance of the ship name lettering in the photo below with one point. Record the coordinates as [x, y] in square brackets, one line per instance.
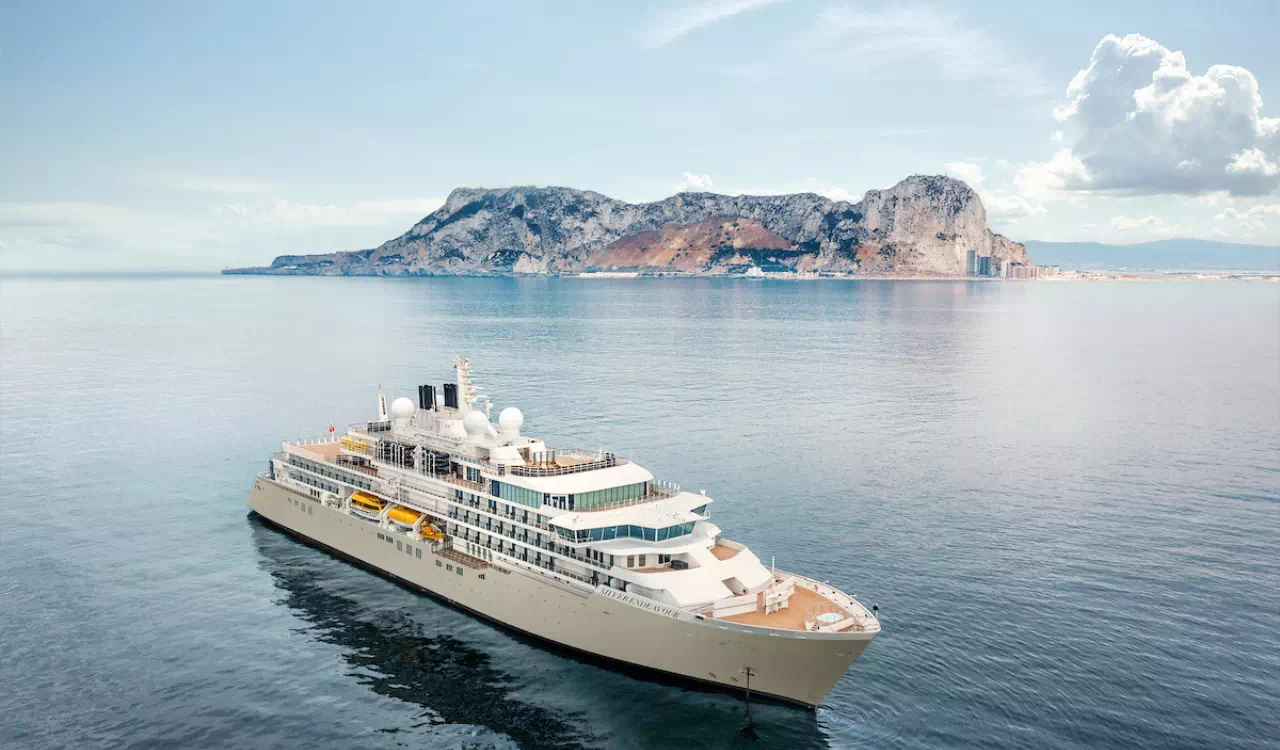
[636, 601]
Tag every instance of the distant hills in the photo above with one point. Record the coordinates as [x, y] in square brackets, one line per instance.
[1172, 254]
[923, 226]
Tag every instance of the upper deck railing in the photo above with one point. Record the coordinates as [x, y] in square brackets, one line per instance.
[564, 461]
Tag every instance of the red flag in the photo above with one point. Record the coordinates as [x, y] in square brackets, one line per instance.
[331, 428]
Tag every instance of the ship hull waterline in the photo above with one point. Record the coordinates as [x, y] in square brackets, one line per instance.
[794, 668]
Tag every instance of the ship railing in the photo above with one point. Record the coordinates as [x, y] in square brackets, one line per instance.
[545, 464]
[861, 617]
[658, 490]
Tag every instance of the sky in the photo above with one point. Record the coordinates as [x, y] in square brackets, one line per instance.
[197, 136]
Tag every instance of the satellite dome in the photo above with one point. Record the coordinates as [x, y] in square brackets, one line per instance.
[402, 408]
[511, 418]
[476, 425]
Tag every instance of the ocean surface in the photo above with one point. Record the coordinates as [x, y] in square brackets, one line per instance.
[1064, 497]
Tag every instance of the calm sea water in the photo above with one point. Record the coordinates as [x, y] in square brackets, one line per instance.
[1064, 497]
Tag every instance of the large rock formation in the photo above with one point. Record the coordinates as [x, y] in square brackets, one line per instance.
[921, 226]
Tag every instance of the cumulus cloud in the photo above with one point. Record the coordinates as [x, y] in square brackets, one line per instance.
[1008, 206]
[965, 170]
[1252, 217]
[1143, 123]
[672, 23]
[698, 183]
[1043, 181]
[1150, 223]
[837, 194]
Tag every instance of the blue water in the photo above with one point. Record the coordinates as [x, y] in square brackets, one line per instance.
[1063, 497]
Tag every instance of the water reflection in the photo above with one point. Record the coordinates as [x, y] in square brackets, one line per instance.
[477, 675]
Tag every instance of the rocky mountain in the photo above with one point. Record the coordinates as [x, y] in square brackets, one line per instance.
[924, 226]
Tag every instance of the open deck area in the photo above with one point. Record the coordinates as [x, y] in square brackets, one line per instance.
[723, 552]
[324, 451]
[804, 604]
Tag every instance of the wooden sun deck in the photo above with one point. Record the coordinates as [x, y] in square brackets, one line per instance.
[326, 451]
[722, 552]
[791, 618]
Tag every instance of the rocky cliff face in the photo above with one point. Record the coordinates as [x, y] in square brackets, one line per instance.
[923, 225]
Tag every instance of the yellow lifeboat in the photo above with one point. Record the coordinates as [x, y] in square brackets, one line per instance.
[403, 516]
[369, 506]
[431, 533]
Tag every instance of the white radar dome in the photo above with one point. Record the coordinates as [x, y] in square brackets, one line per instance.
[402, 408]
[476, 425]
[510, 418]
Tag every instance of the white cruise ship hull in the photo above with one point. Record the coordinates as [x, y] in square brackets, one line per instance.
[797, 667]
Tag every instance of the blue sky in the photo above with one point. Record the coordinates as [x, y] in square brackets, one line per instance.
[197, 136]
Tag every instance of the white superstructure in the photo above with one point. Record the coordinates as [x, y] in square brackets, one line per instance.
[578, 547]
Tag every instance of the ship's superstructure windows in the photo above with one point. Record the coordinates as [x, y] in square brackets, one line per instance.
[531, 498]
[626, 531]
[609, 496]
[326, 470]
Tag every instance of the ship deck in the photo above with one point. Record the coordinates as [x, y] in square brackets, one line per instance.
[804, 604]
[723, 552]
[326, 451]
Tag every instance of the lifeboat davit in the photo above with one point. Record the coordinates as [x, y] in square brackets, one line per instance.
[431, 533]
[404, 517]
[367, 506]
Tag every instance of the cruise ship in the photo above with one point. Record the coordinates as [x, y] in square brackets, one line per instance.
[583, 549]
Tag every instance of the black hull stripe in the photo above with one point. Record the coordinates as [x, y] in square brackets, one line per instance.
[630, 668]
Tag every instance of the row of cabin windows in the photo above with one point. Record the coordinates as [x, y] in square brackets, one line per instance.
[324, 470]
[408, 549]
[626, 531]
[329, 487]
[521, 515]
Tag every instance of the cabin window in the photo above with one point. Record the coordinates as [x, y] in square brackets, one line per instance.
[408, 549]
[418, 552]
[438, 563]
[631, 561]
[449, 568]
[380, 537]
[643, 558]
[459, 570]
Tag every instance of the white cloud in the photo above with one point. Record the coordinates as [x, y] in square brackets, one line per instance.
[1057, 136]
[1144, 124]
[1044, 181]
[837, 194]
[1007, 206]
[690, 182]
[669, 24]
[965, 170]
[898, 35]
[1252, 217]
[1150, 224]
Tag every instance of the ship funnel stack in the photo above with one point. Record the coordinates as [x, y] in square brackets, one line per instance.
[427, 397]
